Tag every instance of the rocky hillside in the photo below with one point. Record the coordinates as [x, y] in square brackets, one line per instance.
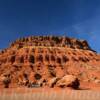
[42, 58]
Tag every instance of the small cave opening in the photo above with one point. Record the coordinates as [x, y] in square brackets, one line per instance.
[31, 59]
[47, 57]
[21, 59]
[52, 58]
[65, 59]
[40, 58]
[58, 60]
[25, 76]
[37, 76]
[12, 59]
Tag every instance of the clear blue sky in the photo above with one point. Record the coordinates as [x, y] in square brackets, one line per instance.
[75, 18]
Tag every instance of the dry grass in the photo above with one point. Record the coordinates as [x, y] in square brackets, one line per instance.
[30, 94]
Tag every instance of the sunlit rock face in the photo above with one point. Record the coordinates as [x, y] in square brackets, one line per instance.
[38, 59]
[51, 41]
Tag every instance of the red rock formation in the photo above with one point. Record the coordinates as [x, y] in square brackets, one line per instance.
[36, 58]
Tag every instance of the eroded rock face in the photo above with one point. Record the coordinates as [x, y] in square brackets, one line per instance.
[33, 59]
[51, 41]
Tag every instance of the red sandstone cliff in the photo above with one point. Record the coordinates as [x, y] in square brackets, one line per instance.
[41, 58]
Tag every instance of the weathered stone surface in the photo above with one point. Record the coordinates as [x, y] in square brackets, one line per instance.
[47, 57]
[5, 79]
[52, 82]
[68, 81]
[51, 41]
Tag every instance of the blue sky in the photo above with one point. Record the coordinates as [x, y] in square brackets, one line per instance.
[74, 18]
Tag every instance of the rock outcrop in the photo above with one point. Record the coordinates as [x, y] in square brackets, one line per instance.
[51, 41]
[37, 59]
[68, 81]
